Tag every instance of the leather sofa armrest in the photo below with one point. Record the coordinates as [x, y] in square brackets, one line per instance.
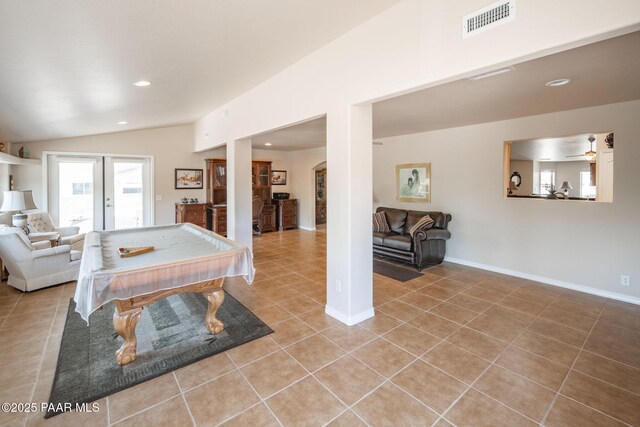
[51, 251]
[431, 234]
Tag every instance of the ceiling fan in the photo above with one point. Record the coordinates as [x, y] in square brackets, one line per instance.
[589, 155]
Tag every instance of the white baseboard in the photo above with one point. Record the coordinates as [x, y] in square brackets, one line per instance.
[349, 320]
[548, 281]
[302, 227]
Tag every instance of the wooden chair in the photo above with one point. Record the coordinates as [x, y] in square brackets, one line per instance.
[257, 205]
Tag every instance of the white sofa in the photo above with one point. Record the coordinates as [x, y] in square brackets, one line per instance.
[40, 222]
[35, 266]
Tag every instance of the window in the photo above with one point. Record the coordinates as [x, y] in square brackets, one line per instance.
[547, 180]
[80, 188]
[586, 189]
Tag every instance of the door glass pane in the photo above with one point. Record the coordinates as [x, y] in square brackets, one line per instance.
[75, 195]
[221, 175]
[127, 194]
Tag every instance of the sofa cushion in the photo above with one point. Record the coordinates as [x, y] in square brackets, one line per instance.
[75, 255]
[40, 222]
[423, 223]
[395, 218]
[439, 219]
[380, 222]
[378, 237]
[402, 242]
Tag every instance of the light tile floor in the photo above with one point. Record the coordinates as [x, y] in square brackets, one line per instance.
[456, 346]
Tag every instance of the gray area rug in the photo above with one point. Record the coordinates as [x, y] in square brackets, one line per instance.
[171, 334]
[395, 270]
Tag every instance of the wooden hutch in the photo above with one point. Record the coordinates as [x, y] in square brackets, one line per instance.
[216, 186]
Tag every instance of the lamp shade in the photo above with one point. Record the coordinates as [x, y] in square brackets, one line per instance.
[566, 186]
[513, 186]
[15, 201]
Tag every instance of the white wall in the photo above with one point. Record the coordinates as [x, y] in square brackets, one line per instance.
[582, 243]
[412, 45]
[170, 146]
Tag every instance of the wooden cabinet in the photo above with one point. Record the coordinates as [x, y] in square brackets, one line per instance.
[216, 190]
[216, 182]
[268, 218]
[261, 185]
[261, 180]
[191, 212]
[217, 220]
[286, 214]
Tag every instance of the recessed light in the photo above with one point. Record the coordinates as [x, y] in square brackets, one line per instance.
[142, 83]
[268, 144]
[492, 73]
[559, 82]
[123, 123]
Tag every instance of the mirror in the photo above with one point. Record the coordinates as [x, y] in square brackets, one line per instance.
[516, 179]
[577, 167]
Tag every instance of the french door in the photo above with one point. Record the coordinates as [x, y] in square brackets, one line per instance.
[99, 192]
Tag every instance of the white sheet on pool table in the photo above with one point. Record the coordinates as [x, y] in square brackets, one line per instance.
[184, 254]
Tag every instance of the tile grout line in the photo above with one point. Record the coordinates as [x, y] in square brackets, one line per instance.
[491, 364]
[569, 373]
[310, 374]
[108, 412]
[11, 311]
[44, 351]
[145, 409]
[495, 303]
[184, 398]
[262, 400]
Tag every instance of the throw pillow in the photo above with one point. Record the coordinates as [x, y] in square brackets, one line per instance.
[380, 222]
[424, 223]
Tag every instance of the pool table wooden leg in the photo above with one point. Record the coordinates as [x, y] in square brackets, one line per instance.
[216, 298]
[125, 325]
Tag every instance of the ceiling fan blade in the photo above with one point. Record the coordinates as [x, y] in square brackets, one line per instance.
[576, 155]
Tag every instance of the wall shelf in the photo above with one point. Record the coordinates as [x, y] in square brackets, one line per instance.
[14, 160]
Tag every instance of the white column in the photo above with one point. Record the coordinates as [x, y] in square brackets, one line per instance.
[239, 192]
[349, 204]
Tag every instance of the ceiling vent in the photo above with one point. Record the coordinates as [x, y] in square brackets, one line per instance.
[488, 17]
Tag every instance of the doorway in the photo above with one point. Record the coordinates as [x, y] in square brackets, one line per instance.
[99, 192]
[321, 197]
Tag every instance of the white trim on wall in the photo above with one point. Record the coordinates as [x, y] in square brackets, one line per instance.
[547, 280]
[349, 320]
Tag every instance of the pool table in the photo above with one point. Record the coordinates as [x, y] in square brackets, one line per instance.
[185, 258]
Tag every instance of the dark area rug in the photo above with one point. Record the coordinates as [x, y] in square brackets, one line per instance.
[395, 270]
[171, 334]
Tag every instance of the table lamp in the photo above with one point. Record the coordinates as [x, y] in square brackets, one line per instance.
[17, 201]
[512, 187]
[565, 187]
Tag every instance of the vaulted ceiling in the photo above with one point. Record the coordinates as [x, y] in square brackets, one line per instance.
[67, 67]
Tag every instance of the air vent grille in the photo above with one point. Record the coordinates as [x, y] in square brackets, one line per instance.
[488, 17]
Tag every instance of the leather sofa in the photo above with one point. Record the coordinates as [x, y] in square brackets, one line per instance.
[426, 248]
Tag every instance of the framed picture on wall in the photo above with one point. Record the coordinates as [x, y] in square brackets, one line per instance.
[188, 179]
[413, 182]
[278, 177]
